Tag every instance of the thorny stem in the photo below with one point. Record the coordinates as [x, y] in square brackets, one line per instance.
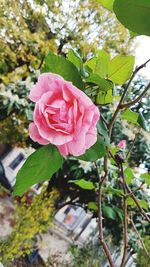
[125, 216]
[100, 223]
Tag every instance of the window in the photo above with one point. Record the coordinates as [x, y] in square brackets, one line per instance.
[13, 165]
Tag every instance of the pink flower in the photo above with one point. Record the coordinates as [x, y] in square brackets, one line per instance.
[63, 115]
[122, 144]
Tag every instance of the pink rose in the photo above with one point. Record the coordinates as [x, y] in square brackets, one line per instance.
[122, 144]
[63, 115]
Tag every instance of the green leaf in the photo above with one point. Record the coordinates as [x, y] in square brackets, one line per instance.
[104, 98]
[92, 206]
[97, 151]
[102, 63]
[108, 212]
[104, 85]
[130, 116]
[83, 184]
[120, 69]
[134, 15]
[39, 166]
[119, 212]
[146, 178]
[102, 130]
[91, 63]
[114, 150]
[136, 118]
[142, 122]
[129, 175]
[143, 203]
[75, 58]
[107, 4]
[99, 64]
[63, 67]
[113, 191]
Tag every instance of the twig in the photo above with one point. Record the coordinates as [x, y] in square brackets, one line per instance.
[136, 100]
[136, 190]
[100, 224]
[140, 239]
[133, 143]
[129, 191]
[125, 224]
[137, 203]
[104, 120]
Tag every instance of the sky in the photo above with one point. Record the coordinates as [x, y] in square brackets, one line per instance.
[142, 54]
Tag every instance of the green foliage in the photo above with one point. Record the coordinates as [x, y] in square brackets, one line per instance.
[130, 116]
[113, 191]
[75, 58]
[146, 178]
[31, 219]
[142, 122]
[83, 184]
[97, 151]
[108, 212]
[107, 4]
[143, 203]
[120, 69]
[63, 67]
[143, 260]
[39, 166]
[91, 255]
[129, 175]
[104, 97]
[102, 130]
[92, 206]
[99, 64]
[134, 14]
[135, 118]
[104, 85]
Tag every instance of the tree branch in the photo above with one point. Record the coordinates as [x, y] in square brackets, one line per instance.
[132, 146]
[140, 239]
[129, 191]
[100, 224]
[104, 120]
[137, 203]
[125, 225]
[136, 100]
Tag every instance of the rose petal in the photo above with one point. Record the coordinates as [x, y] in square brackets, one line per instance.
[46, 82]
[35, 136]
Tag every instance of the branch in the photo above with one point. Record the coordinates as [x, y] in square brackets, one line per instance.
[125, 225]
[129, 191]
[133, 143]
[104, 120]
[136, 100]
[100, 224]
[137, 203]
[140, 239]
